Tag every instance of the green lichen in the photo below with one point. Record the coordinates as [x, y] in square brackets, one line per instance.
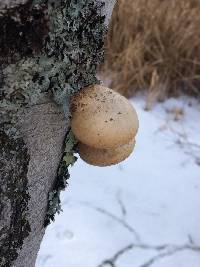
[78, 31]
[68, 159]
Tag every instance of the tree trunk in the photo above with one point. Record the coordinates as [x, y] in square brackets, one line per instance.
[48, 51]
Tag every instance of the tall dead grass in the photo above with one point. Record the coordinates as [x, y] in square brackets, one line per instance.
[155, 45]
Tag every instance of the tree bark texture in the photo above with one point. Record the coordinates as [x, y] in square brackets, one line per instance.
[48, 51]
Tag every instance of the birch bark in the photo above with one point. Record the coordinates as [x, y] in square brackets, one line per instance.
[31, 147]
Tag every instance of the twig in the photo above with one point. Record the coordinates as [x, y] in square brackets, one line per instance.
[121, 204]
[171, 251]
[115, 218]
[167, 250]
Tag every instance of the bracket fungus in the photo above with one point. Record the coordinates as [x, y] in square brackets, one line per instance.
[105, 124]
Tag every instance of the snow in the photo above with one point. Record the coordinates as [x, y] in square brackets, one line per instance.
[143, 212]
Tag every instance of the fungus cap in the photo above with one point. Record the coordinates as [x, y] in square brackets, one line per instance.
[105, 157]
[102, 118]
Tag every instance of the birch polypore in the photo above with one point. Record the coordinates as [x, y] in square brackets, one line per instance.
[102, 118]
[105, 123]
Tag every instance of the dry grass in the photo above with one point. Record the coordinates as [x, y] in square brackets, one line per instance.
[155, 44]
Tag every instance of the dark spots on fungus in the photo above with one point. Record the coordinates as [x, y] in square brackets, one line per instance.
[14, 161]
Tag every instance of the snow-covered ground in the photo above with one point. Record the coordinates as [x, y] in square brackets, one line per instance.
[143, 212]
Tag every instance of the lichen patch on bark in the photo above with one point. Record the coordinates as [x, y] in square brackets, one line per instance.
[68, 59]
[61, 181]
